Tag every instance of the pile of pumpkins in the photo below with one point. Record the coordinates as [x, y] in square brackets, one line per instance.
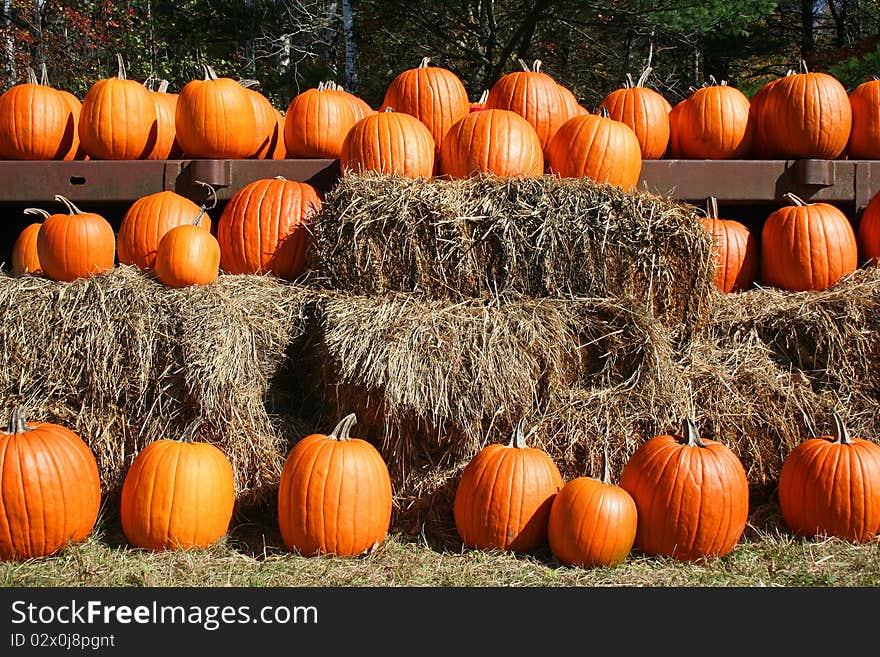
[679, 496]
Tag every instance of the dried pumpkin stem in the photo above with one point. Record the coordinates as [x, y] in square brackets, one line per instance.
[17, 422]
[163, 86]
[424, 62]
[603, 112]
[120, 72]
[37, 211]
[484, 96]
[841, 433]
[690, 434]
[209, 72]
[44, 75]
[518, 439]
[31, 76]
[794, 200]
[644, 76]
[189, 432]
[70, 206]
[341, 432]
[712, 207]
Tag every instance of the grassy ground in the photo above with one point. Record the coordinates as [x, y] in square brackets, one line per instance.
[252, 555]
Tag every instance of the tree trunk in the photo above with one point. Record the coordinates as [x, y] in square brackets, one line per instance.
[330, 38]
[348, 32]
[807, 32]
[9, 44]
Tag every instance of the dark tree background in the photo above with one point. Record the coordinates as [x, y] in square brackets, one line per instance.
[588, 45]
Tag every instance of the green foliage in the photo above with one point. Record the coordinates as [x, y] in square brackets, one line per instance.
[852, 71]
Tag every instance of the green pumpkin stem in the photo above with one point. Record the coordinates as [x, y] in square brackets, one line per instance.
[518, 439]
[841, 433]
[690, 434]
[17, 422]
[70, 206]
[341, 432]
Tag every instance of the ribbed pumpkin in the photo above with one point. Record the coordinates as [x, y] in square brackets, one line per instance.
[50, 490]
[805, 115]
[864, 138]
[807, 246]
[317, 121]
[494, 141]
[533, 95]
[596, 146]
[592, 523]
[75, 152]
[868, 236]
[761, 146]
[736, 251]
[215, 118]
[714, 124]
[36, 122]
[147, 220]
[188, 255]
[645, 111]
[118, 120]
[75, 245]
[166, 146]
[504, 496]
[177, 494]
[830, 486]
[25, 259]
[265, 122]
[692, 495]
[334, 496]
[263, 228]
[434, 95]
[389, 142]
[278, 149]
[675, 115]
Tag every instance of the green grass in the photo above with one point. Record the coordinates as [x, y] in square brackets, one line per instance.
[252, 555]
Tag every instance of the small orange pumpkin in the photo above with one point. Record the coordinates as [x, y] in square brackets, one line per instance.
[504, 496]
[188, 255]
[645, 111]
[25, 259]
[736, 251]
[75, 245]
[335, 494]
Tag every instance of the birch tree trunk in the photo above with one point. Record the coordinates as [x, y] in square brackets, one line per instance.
[348, 32]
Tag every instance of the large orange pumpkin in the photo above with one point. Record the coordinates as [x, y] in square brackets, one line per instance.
[644, 110]
[533, 95]
[714, 124]
[75, 245]
[147, 220]
[807, 246]
[25, 259]
[736, 251]
[263, 228]
[864, 138]
[215, 118]
[188, 255]
[434, 95]
[504, 496]
[596, 146]
[494, 141]
[177, 494]
[317, 121]
[265, 122]
[334, 496]
[805, 115]
[119, 119]
[830, 486]
[389, 142]
[50, 490]
[592, 523]
[692, 495]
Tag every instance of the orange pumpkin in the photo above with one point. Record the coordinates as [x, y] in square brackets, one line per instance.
[736, 251]
[504, 496]
[36, 122]
[494, 141]
[480, 104]
[334, 496]
[868, 236]
[434, 95]
[645, 111]
[317, 121]
[25, 259]
[266, 122]
[177, 494]
[830, 486]
[592, 523]
[215, 118]
[596, 146]
[147, 220]
[805, 115]
[51, 490]
[714, 124]
[75, 245]
[263, 228]
[807, 246]
[118, 120]
[389, 142]
[535, 96]
[277, 147]
[166, 146]
[691, 494]
[188, 255]
[864, 138]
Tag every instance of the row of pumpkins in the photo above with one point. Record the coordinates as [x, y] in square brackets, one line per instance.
[426, 124]
[679, 496]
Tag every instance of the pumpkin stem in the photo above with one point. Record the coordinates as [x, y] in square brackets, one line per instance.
[212, 193]
[712, 207]
[712, 81]
[342, 429]
[189, 432]
[31, 76]
[120, 73]
[518, 439]
[37, 211]
[17, 422]
[603, 112]
[606, 467]
[841, 433]
[70, 206]
[803, 67]
[484, 96]
[629, 84]
[644, 77]
[249, 84]
[424, 62]
[389, 109]
[690, 434]
[794, 200]
[44, 75]
[523, 64]
[163, 86]
[209, 72]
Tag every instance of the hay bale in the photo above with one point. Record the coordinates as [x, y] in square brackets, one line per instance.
[534, 237]
[123, 360]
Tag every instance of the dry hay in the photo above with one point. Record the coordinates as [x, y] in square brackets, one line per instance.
[123, 360]
[535, 237]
